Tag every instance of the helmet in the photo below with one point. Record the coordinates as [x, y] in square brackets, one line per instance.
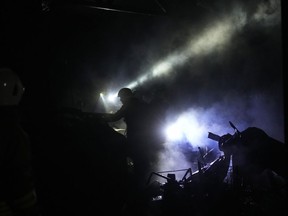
[11, 88]
[125, 92]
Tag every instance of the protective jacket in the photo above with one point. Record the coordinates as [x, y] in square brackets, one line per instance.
[17, 192]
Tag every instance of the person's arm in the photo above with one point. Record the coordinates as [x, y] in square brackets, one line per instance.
[115, 116]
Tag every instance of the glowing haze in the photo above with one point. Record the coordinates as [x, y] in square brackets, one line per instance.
[192, 124]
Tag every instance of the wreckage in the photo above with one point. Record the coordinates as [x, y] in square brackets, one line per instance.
[249, 178]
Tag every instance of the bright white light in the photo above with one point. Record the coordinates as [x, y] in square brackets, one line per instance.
[102, 95]
[194, 132]
[186, 128]
[174, 133]
[112, 98]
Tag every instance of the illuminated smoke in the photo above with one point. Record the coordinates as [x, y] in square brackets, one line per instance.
[215, 37]
[244, 110]
[268, 12]
[194, 124]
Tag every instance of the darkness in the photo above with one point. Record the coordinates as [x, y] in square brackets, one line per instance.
[67, 52]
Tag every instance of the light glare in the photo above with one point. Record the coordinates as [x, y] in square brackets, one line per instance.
[112, 98]
[173, 133]
[186, 128]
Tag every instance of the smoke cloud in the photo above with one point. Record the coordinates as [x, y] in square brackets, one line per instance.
[223, 71]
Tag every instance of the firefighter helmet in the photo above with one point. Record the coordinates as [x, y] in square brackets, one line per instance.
[125, 93]
[11, 88]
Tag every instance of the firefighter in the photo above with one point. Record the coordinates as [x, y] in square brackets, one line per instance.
[17, 189]
[140, 147]
[134, 111]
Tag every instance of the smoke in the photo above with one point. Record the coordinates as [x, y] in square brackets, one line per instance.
[216, 70]
[196, 122]
[268, 13]
[222, 66]
[220, 38]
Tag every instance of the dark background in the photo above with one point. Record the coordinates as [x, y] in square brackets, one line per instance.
[67, 52]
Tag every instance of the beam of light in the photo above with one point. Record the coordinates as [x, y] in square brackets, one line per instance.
[143, 78]
[208, 41]
[139, 81]
[133, 85]
[211, 40]
[104, 101]
[161, 68]
[214, 37]
[102, 96]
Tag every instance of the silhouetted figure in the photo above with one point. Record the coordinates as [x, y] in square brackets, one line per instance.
[17, 190]
[134, 112]
[142, 146]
